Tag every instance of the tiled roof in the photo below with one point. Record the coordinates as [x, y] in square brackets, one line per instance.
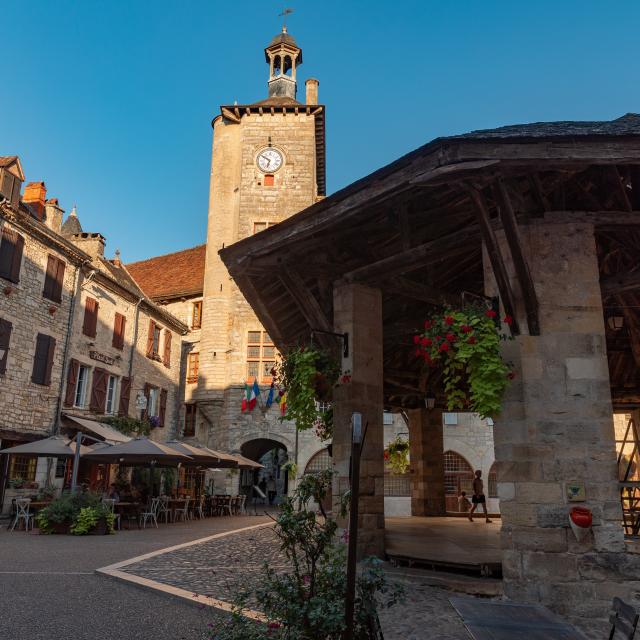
[6, 161]
[172, 275]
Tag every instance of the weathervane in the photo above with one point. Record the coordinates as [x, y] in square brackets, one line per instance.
[284, 15]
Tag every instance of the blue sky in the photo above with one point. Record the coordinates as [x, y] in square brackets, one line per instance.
[111, 102]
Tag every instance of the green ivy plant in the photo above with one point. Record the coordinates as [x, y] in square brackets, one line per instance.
[75, 510]
[309, 376]
[465, 344]
[129, 426]
[396, 455]
[88, 517]
[307, 601]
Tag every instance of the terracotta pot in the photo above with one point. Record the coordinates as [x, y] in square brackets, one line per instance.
[101, 529]
[60, 527]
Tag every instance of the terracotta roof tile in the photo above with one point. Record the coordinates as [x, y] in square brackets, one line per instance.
[171, 275]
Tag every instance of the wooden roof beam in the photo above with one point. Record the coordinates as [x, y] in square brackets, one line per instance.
[510, 226]
[417, 291]
[495, 256]
[306, 302]
[619, 283]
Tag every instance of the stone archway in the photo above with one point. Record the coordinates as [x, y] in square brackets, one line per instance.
[272, 454]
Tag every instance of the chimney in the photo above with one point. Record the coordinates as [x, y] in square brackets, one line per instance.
[53, 215]
[312, 91]
[91, 243]
[34, 195]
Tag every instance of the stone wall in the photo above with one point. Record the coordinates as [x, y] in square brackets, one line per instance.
[26, 406]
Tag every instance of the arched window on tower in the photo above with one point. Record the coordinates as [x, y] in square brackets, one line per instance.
[493, 482]
[287, 66]
[458, 475]
[277, 64]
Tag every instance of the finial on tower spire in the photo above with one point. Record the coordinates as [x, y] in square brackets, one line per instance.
[283, 15]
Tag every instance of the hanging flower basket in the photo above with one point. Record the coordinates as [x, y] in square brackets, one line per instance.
[396, 456]
[465, 345]
[309, 376]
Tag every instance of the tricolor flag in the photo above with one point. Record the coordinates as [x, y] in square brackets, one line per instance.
[270, 396]
[246, 397]
[255, 394]
[283, 403]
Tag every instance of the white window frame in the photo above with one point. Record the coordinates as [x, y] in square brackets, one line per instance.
[387, 418]
[154, 402]
[112, 395]
[450, 418]
[80, 395]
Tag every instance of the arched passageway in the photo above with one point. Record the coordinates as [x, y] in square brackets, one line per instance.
[272, 479]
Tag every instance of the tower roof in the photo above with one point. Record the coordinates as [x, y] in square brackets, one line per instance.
[284, 38]
[71, 226]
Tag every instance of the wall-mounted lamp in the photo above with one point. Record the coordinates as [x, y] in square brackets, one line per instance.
[356, 427]
[615, 322]
[430, 401]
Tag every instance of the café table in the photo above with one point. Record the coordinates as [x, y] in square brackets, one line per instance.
[128, 511]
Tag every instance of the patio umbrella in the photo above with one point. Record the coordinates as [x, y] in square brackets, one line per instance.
[199, 455]
[140, 451]
[52, 447]
[246, 463]
[225, 460]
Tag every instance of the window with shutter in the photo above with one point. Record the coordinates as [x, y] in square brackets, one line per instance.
[166, 359]
[125, 394]
[118, 331]
[90, 325]
[147, 393]
[196, 318]
[54, 279]
[98, 390]
[190, 411]
[150, 340]
[163, 406]
[5, 338]
[43, 360]
[72, 381]
[193, 361]
[11, 248]
[79, 397]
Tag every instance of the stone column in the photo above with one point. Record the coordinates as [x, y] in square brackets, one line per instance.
[358, 311]
[556, 428]
[427, 462]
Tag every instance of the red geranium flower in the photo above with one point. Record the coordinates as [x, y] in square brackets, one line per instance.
[444, 346]
[448, 320]
[466, 328]
[416, 339]
[418, 353]
[386, 455]
[427, 342]
[508, 320]
[511, 375]
[427, 324]
[438, 337]
[274, 625]
[450, 337]
[490, 313]
[472, 340]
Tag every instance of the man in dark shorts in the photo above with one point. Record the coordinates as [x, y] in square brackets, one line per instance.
[478, 497]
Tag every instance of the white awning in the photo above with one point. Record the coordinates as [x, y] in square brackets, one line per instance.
[99, 429]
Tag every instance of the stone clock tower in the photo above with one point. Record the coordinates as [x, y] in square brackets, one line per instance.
[268, 162]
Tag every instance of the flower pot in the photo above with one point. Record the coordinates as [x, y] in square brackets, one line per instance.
[60, 527]
[101, 528]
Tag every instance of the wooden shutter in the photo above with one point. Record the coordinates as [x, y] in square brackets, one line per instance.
[11, 249]
[72, 381]
[147, 393]
[90, 325]
[152, 326]
[125, 394]
[98, 390]
[163, 406]
[54, 279]
[59, 283]
[167, 348]
[119, 324]
[5, 337]
[43, 360]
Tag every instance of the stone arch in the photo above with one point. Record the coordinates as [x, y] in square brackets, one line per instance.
[257, 449]
[492, 482]
[321, 461]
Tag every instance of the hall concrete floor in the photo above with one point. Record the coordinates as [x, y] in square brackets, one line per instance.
[445, 542]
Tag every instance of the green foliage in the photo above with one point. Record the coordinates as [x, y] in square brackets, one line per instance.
[307, 603]
[309, 376]
[129, 426]
[169, 477]
[88, 517]
[466, 345]
[71, 508]
[396, 455]
[290, 467]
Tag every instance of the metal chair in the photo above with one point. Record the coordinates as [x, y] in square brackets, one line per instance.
[182, 512]
[151, 513]
[163, 509]
[110, 503]
[242, 508]
[22, 513]
[623, 619]
[199, 509]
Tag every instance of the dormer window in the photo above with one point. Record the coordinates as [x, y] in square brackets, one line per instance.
[11, 179]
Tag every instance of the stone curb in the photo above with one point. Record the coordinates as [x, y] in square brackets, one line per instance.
[114, 571]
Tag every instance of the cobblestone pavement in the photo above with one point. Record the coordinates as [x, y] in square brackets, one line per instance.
[217, 568]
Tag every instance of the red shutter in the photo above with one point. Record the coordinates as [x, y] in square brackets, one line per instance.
[5, 337]
[118, 331]
[147, 393]
[98, 390]
[167, 348]
[125, 394]
[72, 381]
[90, 325]
[152, 326]
[163, 406]
[11, 248]
[59, 282]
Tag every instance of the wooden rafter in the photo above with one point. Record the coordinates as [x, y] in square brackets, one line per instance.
[633, 325]
[417, 291]
[510, 226]
[307, 304]
[495, 256]
[619, 283]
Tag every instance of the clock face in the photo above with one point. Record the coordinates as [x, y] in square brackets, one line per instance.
[269, 160]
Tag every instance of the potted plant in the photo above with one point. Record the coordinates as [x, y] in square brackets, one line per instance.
[465, 345]
[396, 456]
[95, 521]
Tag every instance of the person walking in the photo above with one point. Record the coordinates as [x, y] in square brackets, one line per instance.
[478, 497]
[271, 489]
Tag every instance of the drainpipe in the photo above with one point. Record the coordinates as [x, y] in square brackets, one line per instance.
[77, 286]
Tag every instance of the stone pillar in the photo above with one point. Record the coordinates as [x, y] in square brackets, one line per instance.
[358, 311]
[556, 427]
[427, 462]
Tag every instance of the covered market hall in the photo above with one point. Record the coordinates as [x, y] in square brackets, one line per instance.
[545, 217]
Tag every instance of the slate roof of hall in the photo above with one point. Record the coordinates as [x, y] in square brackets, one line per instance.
[172, 275]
